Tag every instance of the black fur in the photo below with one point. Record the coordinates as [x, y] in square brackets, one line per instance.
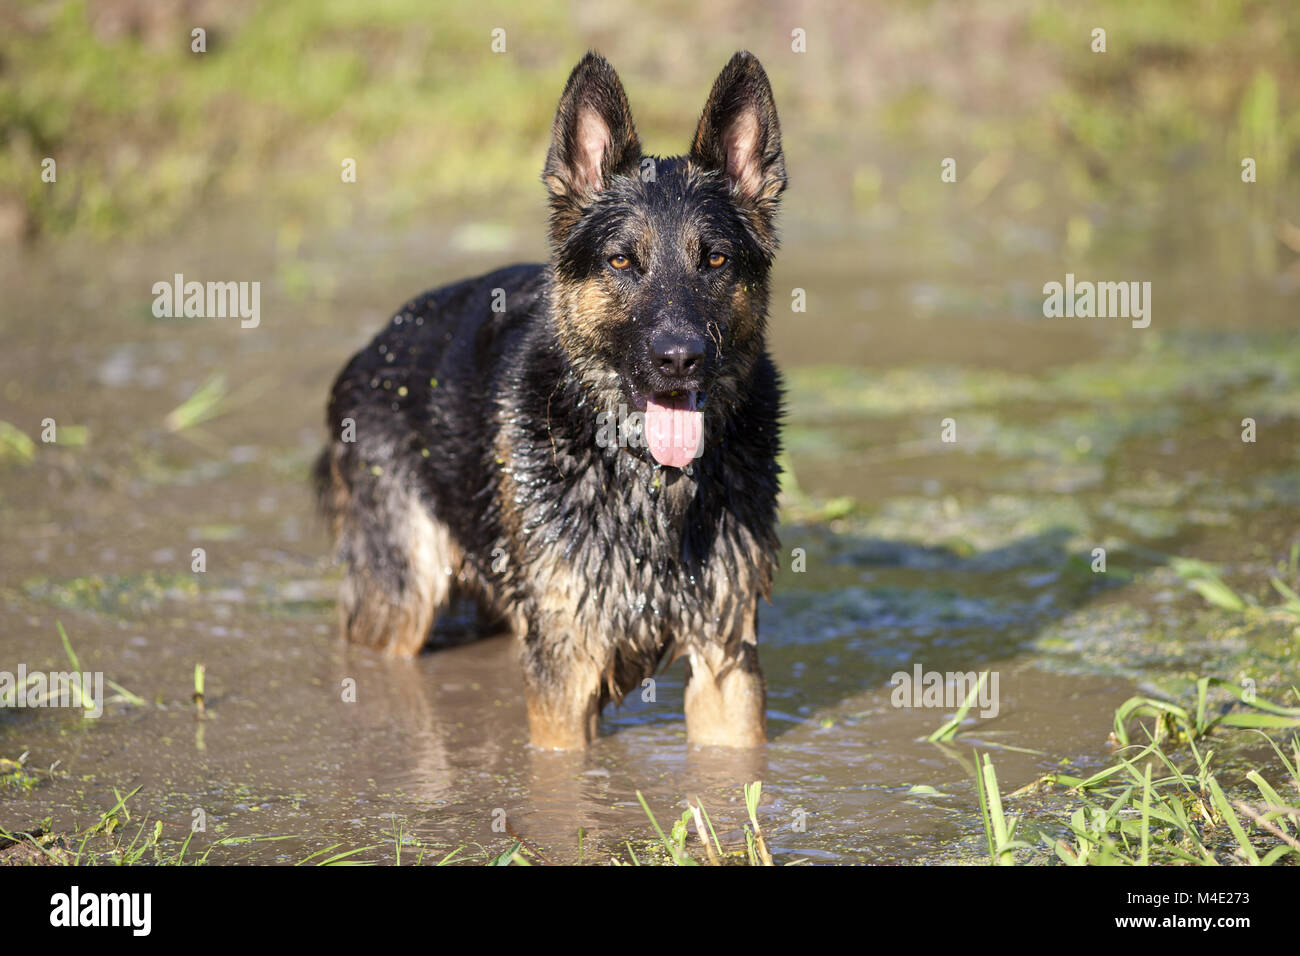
[490, 421]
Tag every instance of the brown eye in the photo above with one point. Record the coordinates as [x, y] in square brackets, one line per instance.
[717, 260]
[620, 261]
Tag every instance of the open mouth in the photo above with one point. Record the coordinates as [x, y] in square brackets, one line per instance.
[674, 426]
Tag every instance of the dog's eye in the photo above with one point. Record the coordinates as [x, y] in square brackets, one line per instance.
[620, 261]
[717, 260]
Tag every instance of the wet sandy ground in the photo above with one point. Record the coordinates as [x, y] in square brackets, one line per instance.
[1072, 434]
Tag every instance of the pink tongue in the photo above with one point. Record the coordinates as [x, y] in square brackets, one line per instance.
[674, 431]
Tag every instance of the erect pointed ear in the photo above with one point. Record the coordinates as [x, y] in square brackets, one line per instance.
[593, 138]
[739, 133]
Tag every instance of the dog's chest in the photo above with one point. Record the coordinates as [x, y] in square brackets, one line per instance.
[635, 552]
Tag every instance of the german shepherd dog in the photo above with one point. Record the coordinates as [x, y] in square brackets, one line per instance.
[587, 448]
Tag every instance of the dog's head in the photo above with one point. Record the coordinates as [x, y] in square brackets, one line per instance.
[661, 265]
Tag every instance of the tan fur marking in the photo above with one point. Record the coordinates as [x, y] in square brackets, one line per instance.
[399, 624]
[564, 718]
[336, 498]
[726, 700]
[746, 323]
[371, 614]
[593, 309]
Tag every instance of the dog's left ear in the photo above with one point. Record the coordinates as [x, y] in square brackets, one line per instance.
[739, 133]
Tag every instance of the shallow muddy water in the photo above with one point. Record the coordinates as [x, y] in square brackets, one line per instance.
[1072, 434]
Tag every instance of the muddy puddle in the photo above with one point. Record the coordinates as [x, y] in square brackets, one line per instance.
[901, 549]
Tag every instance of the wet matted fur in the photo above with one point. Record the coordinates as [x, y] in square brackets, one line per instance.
[477, 450]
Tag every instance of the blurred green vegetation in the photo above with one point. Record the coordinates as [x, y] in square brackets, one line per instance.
[145, 131]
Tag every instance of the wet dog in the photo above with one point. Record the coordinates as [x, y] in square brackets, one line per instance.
[587, 448]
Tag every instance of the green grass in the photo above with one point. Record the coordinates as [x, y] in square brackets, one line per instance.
[105, 842]
[1153, 806]
[112, 593]
[38, 698]
[144, 130]
[1181, 724]
[949, 729]
[999, 829]
[674, 842]
[204, 404]
[15, 445]
[119, 837]
[1207, 581]
[1146, 809]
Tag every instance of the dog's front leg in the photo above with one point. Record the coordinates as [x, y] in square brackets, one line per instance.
[726, 699]
[561, 692]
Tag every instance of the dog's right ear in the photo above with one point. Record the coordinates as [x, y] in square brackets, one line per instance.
[593, 139]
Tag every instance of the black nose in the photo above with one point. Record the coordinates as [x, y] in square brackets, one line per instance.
[677, 356]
